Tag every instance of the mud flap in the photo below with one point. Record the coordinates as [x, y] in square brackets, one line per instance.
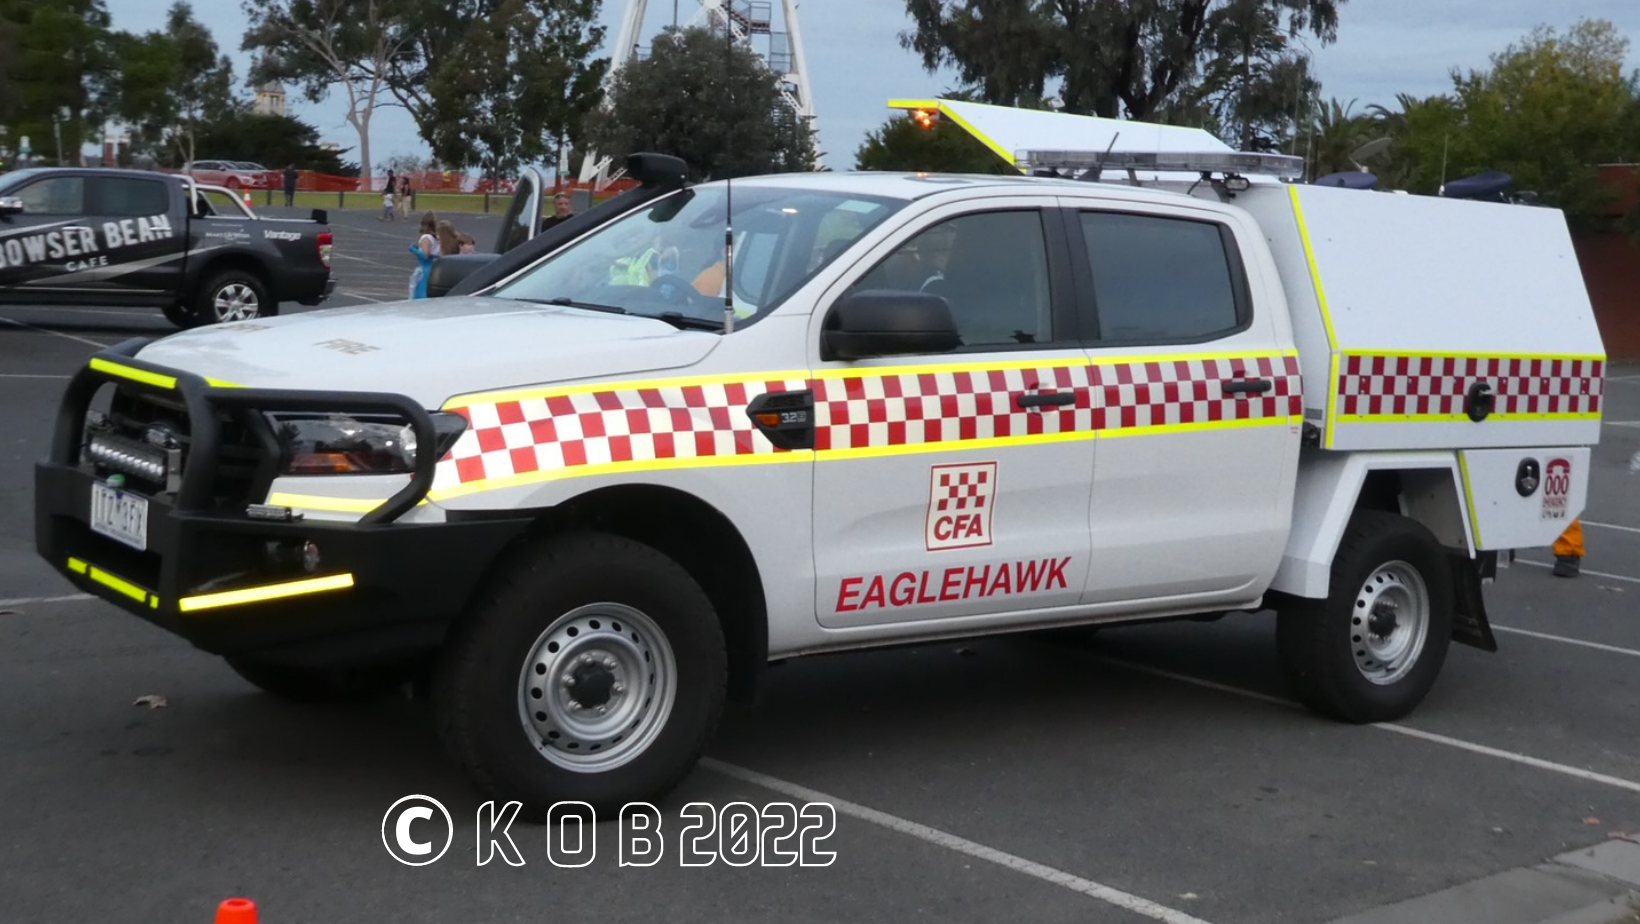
[1469, 623]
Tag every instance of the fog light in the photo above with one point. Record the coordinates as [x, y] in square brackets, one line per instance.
[310, 557]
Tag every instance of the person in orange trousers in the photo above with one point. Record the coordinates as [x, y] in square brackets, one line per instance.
[1569, 550]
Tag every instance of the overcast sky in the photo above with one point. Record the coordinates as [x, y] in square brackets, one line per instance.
[1384, 47]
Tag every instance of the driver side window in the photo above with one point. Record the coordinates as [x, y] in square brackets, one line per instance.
[990, 267]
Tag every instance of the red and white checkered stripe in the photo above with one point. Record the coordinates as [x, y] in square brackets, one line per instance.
[644, 424]
[1389, 386]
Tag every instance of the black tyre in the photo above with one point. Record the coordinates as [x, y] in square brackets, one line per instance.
[319, 685]
[181, 315]
[1371, 651]
[232, 295]
[593, 671]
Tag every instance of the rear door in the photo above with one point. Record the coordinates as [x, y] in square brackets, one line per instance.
[1197, 404]
[51, 239]
[523, 216]
[141, 224]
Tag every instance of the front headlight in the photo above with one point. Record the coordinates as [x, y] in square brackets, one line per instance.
[343, 444]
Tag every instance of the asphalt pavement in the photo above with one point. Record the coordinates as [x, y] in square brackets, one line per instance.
[1157, 773]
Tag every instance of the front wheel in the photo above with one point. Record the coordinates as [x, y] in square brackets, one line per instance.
[595, 672]
[1371, 651]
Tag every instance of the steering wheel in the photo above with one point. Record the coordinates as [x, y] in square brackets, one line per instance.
[676, 289]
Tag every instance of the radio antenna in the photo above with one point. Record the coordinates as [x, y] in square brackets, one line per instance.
[728, 180]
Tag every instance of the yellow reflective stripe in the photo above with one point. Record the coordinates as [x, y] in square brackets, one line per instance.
[135, 375]
[265, 592]
[1118, 432]
[1451, 418]
[1469, 499]
[113, 582]
[1443, 354]
[555, 391]
[335, 504]
[218, 383]
[967, 126]
[607, 468]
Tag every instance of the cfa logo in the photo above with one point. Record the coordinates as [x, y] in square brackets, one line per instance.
[960, 498]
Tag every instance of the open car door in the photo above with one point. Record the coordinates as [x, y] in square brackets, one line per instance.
[523, 218]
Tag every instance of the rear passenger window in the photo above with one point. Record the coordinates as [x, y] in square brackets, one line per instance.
[1162, 279]
[991, 267]
[124, 197]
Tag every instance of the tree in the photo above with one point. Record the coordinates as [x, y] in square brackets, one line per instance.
[1548, 110]
[171, 82]
[901, 144]
[322, 45]
[718, 107]
[57, 73]
[525, 78]
[270, 140]
[1137, 58]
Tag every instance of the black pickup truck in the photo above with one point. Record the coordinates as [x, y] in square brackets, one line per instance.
[73, 236]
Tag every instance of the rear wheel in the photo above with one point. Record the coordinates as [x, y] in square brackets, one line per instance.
[1371, 651]
[232, 295]
[595, 672]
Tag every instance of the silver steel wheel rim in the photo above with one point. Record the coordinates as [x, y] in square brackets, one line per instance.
[235, 302]
[597, 687]
[1390, 623]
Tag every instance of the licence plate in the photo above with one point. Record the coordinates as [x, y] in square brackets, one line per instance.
[120, 516]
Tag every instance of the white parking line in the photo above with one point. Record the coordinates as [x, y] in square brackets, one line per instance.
[1625, 529]
[1568, 641]
[30, 601]
[26, 375]
[1598, 574]
[1088, 887]
[1472, 747]
[55, 333]
[1621, 423]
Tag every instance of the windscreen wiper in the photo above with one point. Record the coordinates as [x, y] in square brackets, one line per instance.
[685, 322]
[572, 303]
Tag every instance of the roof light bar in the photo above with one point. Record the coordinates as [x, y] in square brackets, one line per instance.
[1279, 165]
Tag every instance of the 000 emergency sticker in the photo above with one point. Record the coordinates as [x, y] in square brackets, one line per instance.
[1557, 488]
[960, 501]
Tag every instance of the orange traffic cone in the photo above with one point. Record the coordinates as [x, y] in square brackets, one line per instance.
[247, 198]
[236, 911]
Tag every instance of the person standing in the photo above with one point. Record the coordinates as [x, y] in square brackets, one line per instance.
[425, 250]
[290, 185]
[406, 199]
[561, 212]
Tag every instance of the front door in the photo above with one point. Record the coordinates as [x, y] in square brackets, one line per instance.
[43, 246]
[523, 216]
[1197, 406]
[957, 484]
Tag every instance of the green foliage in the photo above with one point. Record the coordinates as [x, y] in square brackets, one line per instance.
[718, 107]
[169, 84]
[58, 61]
[900, 144]
[1547, 112]
[524, 79]
[1180, 60]
[271, 140]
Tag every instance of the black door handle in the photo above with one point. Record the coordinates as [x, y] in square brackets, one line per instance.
[1248, 386]
[1059, 398]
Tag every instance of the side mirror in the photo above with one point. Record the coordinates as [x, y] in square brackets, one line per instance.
[886, 323]
[447, 272]
[11, 205]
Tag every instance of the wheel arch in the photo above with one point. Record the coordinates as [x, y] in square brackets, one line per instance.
[701, 539]
[1425, 487]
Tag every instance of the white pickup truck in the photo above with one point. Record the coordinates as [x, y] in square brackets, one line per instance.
[594, 498]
